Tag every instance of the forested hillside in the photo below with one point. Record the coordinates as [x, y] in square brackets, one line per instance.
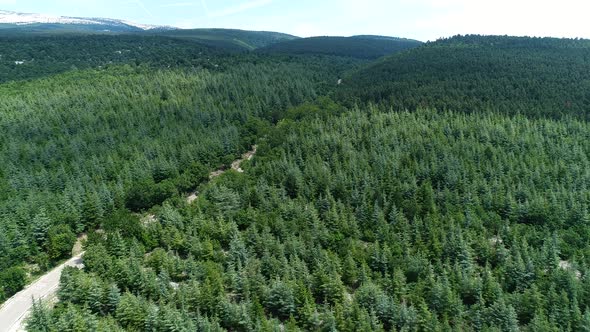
[229, 38]
[25, 57]
[442, 188]
[362, 47]
[363, 221]
[76, 148]
[533, 76]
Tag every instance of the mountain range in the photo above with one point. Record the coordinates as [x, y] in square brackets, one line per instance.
[41, 22]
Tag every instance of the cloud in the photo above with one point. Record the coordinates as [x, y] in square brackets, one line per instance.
[142, 6]
[185, 24]
[239, 8]
[307, 30]
[204, 3]
[567, 18]
[178, 4]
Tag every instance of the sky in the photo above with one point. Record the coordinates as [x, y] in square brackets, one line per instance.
[418, 19]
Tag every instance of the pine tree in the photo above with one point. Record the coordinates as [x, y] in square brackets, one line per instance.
[112, 299]
[281, 300]
[91, 210]
[541, 324]
[131, 312]
[350, 272]
[60, 241]
[95, 297]
[585, 323]
[39, 320]
[40, 225]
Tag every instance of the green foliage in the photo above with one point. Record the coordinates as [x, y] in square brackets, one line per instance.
[40, 226]
[39, 319]
[229, 39]
[281, 301]
[124, 221]
[347, 219]
[11, 281]
[404, 239]
[110, 141]
[60, 241]
[193, 175]
[362, 47]
[132, 312]
[533, 76]
[45, 55]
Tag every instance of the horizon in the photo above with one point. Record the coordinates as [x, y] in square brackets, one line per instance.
[424, 20]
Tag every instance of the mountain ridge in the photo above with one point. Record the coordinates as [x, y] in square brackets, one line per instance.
[362, 47]
[24, 20]
[528, 75]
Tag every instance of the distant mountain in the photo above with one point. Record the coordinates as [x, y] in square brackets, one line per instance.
[535, 76]
[378, 37]
[229, 38]
[364, 47]
[14, 21]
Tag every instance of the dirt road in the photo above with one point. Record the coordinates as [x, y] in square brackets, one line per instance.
[16, 309]
[236, 166]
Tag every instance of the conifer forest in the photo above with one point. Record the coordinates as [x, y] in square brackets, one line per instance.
[390, 185]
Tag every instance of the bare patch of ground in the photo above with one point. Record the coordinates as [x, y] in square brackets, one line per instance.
[246, 156]
[78, 246]
[567, 265]
[236, 166]
[495, 240]
[148, 219]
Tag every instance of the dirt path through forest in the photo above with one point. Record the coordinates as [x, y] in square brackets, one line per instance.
[236, 166]
[15, 310]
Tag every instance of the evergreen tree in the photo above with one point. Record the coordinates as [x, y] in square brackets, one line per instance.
[39, 319]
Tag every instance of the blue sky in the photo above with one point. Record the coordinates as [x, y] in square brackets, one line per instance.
[419, 19]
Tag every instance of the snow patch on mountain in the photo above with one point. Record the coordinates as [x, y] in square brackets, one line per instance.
[146, 26]
[9, 17]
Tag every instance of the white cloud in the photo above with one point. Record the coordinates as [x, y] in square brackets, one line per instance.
[236, 9]
[143, 7]
[420, 19]
[180, 4]
[566, 18]
[205, 7]
[185, 24]
[307, 30]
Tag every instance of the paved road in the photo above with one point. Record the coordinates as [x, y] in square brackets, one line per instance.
[16, 309]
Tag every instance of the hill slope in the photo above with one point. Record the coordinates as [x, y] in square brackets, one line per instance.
[346, 219]
[365, 221]
[364, 47]
[512, 74]
[167, 105]
[26, 57]
[230, 38]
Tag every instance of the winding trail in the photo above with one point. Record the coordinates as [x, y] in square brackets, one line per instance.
[15, 310]
[236, 166]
